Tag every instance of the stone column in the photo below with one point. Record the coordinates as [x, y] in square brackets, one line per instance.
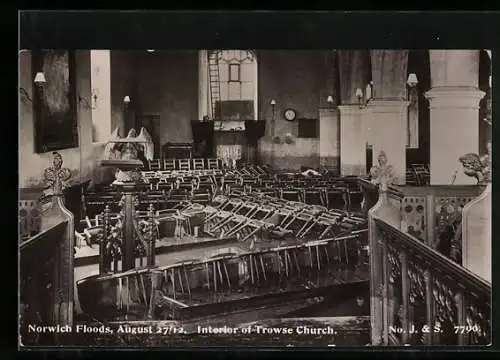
[388, 133]
[454, 113]
[388, 123]
[329, 141]
[352, 141]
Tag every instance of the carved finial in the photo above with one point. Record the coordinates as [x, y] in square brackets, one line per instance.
[477, 166]
[56, 175]
[382, 174]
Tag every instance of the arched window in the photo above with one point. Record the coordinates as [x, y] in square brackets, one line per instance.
[228, 85]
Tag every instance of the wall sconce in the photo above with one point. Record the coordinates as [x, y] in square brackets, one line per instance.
[126, 100]
[364, 99]
[273, 108]
[329, 100]
[39, 81]
[412, 80]
[369, 92]
[275, 139]
[412, 84]
[150, 50]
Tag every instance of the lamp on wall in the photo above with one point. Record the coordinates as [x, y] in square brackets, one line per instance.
[412, 80]
[275, 139]
[412, 83]
[364, 99]
[273, 110]
[329, 100]
[413, 112]
[39, 81]
[126, 100]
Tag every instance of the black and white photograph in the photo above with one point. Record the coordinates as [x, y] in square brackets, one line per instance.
[255, 197]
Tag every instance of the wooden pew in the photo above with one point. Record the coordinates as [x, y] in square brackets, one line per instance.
[46, 267]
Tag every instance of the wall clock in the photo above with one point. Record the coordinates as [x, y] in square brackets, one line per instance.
[290, 114]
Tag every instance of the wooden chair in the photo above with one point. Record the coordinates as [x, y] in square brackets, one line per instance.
[212, 164]
[422, 173]
[411, 177]
[169, 164]
[184, 164]
[198, 164]
[154, 165]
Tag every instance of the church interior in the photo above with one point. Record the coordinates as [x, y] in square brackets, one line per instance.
[305, 189]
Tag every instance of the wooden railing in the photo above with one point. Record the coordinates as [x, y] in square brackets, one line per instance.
[46, 268]
[425, 297]
[195, 287]
[418, 295]
[432, 214]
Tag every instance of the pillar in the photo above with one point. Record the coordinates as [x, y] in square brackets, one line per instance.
[454, 113]
[352, 141]
[388, 110]
[329, 141]
[388, 133]
[203, 101]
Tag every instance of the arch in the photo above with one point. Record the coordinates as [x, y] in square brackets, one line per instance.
[355, 72]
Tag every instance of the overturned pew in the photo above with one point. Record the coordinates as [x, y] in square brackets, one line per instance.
[226, 283]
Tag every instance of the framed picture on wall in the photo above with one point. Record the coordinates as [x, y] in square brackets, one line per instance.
[54, 103]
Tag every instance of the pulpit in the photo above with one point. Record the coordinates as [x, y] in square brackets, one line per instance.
[124, 242]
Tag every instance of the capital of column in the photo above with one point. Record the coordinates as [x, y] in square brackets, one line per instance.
[388, 106]
[454, 97]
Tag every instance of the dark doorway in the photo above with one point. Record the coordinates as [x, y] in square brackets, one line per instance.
[152, 124]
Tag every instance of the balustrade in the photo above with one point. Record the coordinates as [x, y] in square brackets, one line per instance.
[419, 295]
[432, 214]
[427, 298]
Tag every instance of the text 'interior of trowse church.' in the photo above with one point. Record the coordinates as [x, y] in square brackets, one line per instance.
[342, 194]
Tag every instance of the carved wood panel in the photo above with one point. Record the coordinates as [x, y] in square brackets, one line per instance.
[447, 230]
[414, 215]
